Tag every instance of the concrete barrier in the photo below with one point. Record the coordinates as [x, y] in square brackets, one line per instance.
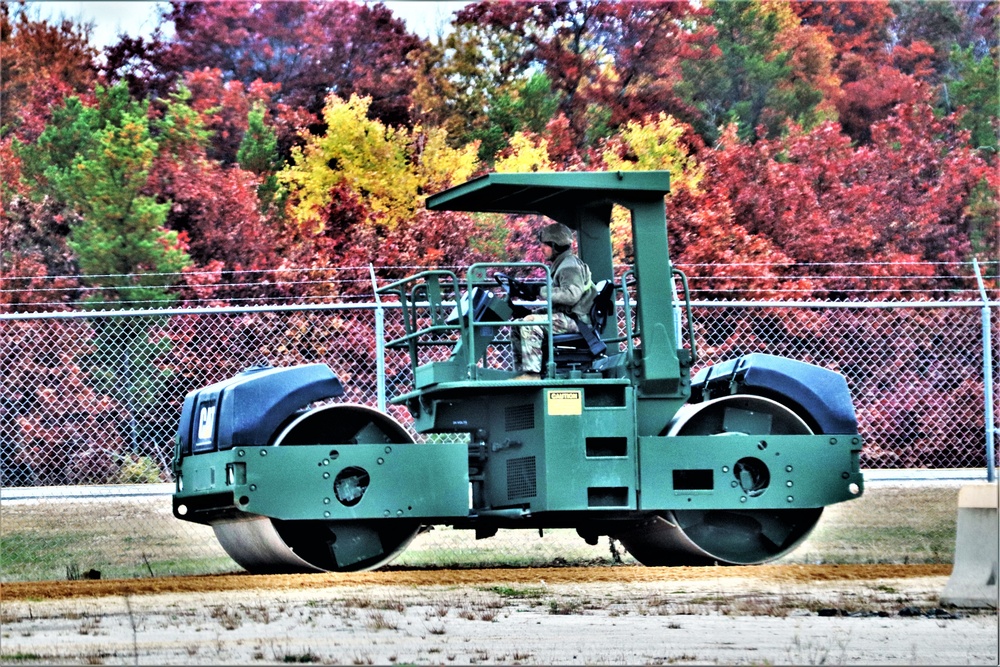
[973, 581]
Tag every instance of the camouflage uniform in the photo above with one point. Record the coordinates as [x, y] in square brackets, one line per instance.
[573, 294]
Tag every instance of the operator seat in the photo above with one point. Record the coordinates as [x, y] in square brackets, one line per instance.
[578, 349]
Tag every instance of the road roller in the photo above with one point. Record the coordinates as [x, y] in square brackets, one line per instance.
[730, 465]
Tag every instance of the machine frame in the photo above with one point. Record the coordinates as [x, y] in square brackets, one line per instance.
[733, 466]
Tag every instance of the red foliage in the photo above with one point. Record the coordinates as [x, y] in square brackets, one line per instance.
[821, 200]
[853, 28]
[223, 107]
[217, 210]
[646, 42]
[40, 63]
[870, 93]
[37, 270]
[309, 48]
[44, 379]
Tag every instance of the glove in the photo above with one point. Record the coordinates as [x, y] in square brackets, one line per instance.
[524, 291]
[531, 291]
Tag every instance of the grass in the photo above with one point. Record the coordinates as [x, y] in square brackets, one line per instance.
[886, 525]
[29, 552]
[119, 538]
[129, 539]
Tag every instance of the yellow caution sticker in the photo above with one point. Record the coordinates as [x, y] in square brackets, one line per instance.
[565, 402]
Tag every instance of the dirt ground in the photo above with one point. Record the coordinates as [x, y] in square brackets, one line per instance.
[775, 614]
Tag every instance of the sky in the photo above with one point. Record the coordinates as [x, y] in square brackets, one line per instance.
[426, 18]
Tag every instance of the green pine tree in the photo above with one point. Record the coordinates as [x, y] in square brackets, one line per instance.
[975, 87]
[259, 153]
[97, 160]
[746, 79]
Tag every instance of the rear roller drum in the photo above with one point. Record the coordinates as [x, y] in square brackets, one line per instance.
[264, 545]
[728, 537]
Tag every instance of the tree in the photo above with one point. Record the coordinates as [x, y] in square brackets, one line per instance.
[854, 29]
[309, 48]
[934, 24]
[40, 63]
[382, 163]
[473, 65]
[356, 190]
[231, 237]
[36, 266]
[529, 107]
[606, 61]
[902, 199]
[974, 89]
[224, 107]
[703, 234]
[258, 153]
[97, 160]
[99, 163]
[770, 68]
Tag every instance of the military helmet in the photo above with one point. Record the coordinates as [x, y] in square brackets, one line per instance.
[556, 234]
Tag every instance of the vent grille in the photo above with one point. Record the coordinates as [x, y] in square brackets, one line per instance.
[521, 478]
[519, 417]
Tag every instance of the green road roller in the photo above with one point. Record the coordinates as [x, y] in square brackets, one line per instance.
[615, 437]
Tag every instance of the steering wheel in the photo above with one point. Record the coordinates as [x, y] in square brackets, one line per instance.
[514, 290]
[505, 282]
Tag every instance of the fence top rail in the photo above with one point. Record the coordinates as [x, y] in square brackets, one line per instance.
[844, 304]
[227, 310]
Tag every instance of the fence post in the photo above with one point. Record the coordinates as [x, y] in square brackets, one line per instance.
[987, 375]
[379, 343]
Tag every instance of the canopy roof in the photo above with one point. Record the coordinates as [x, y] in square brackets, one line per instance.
[550, 193]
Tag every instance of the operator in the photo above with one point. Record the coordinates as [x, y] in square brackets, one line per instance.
[573, 293]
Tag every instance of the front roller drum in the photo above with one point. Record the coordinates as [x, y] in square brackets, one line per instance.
[263, 545]
[726, 537]
[270, 546]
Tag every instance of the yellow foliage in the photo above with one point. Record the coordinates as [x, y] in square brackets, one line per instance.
[656, 144]
[440, 166]
[652, 144]
[525, 153]
[388, 167]
[782, 11]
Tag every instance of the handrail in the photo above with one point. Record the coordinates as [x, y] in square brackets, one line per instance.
[480, 269]
[425, 287]
[420, 284]
[690, 314]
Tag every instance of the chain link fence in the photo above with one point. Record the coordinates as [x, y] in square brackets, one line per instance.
[90, 403]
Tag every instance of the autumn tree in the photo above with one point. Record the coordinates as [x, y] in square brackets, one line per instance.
[770, 68]
[232, 240]
[605, 61]
[40, 63]
[309, 48]
[356, 191]
[937, 25]
[900, 200]
[890, 53]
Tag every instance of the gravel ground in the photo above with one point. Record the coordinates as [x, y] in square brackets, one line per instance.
[779, 614]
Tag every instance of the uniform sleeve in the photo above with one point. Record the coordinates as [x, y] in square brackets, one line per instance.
[568, 286]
